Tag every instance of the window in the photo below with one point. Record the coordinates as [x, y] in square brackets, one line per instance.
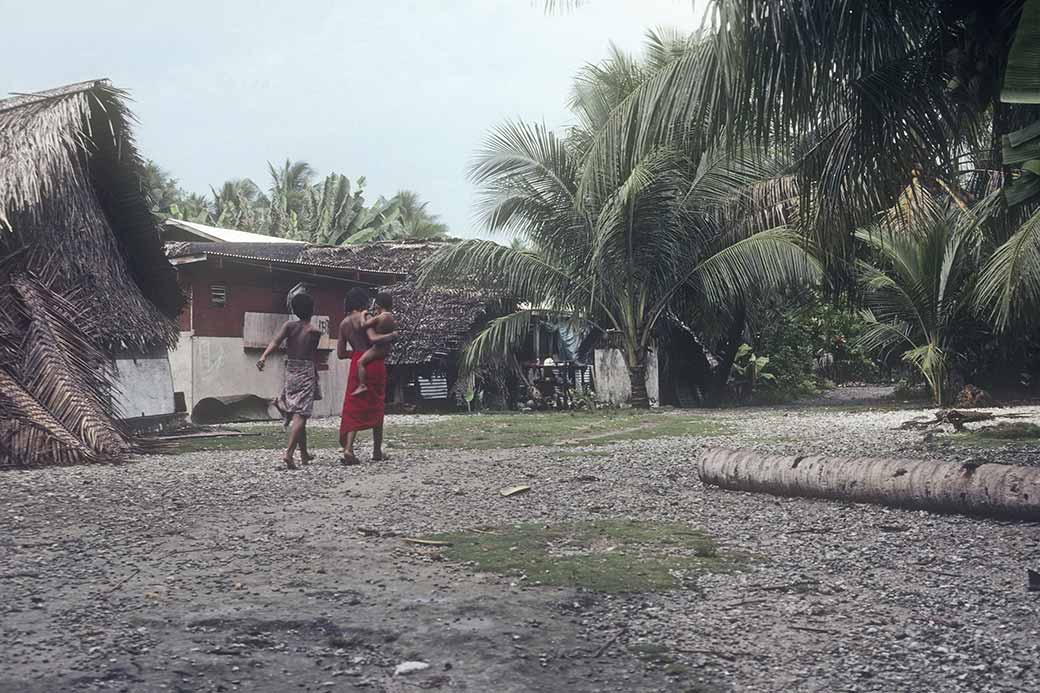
[218, 295]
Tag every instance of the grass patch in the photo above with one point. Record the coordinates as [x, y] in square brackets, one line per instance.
[1001, 434]
[1018, 430]
[603, 556]
[489, 431]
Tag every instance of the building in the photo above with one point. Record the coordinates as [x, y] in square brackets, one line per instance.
[237, 299]
[236, 303]
[87, 298]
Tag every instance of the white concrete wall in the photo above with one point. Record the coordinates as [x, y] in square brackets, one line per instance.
[221, 366]
[144, 386]
[613, 386]
[180, 365]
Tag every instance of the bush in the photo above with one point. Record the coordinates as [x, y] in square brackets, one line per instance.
[810, 343]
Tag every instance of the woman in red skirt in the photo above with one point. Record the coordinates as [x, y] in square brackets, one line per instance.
[364, 410]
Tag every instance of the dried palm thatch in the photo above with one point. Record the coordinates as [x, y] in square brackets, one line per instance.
[84, 275]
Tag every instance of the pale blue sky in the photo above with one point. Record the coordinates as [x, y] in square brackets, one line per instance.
[400, 91]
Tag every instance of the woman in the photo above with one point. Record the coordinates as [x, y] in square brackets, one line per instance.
[364, 410]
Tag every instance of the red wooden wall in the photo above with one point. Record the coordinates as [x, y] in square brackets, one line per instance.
[249, 290]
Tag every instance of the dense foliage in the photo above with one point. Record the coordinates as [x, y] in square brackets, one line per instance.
[681, 228]
[330, 211]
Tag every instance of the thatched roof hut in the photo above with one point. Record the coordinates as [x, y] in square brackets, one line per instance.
[70, 197]
[83, 275]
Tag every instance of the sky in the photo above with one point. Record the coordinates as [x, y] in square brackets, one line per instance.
[402, 92]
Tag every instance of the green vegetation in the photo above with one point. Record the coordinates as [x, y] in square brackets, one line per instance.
[486, 432]
[622, 240]
[607, 556]
[999, 435]
[331, 211]
[911, 134]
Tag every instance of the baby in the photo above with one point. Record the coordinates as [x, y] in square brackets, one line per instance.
[381, 323]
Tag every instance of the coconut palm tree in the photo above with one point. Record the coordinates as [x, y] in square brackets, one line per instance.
[159, 187]
[239, 204]
[417, 223]
[864, 93]
[617, 260]
[193, 207]
[920, 286]
[288, 197]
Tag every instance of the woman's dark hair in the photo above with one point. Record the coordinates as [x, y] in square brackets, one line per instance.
[357, 299]
[384, 300]
[303, 306]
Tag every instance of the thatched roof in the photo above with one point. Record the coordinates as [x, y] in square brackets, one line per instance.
[82, 273]
[434, 323]
[70, 196]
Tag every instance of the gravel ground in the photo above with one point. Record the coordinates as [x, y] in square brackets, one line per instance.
[216, 572]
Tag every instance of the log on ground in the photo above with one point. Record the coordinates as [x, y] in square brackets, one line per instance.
[992, 490]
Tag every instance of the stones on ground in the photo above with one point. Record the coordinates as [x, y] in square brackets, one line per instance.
[945, 582]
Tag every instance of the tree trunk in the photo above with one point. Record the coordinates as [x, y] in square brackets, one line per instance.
[637, 377]
[994, 490]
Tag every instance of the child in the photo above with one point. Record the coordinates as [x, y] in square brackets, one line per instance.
[381, 323]
[301, 376]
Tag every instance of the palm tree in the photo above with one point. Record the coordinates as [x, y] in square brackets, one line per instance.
[289, 188]
[416, 221]
[239, 204]
[919, 290]
[864, 93]
[159, 187]
[616, 260]
[193, 207]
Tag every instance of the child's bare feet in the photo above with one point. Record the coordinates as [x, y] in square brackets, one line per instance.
[307, 458]
[349, 459]
[380, 457]
[289, 464]
[360, 389]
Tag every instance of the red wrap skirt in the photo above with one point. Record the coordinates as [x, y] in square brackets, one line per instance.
[364, 411]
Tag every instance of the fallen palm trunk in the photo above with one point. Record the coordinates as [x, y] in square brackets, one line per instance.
[994, 490]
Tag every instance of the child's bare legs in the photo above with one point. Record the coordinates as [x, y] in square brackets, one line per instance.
[297, 437]
[362, 376]
[305, 456]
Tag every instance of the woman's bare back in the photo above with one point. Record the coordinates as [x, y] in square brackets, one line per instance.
[301, 340]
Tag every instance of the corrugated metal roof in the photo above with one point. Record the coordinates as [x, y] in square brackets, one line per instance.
[219, 235]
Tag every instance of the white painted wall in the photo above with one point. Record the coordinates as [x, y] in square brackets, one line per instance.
[221, 367]
[613, 385]
[180, 365]
[144, 386]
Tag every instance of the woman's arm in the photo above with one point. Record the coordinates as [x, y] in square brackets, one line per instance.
[278, 339]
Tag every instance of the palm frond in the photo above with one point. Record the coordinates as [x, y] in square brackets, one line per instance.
[521, 275]
[503, 335]
[1009, 286]
[63, 369]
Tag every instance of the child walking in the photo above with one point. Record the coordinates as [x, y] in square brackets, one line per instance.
[381, 323]
[301, 375]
